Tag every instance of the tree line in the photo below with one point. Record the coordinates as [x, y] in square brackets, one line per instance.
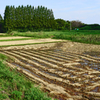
[78, 24]
[30, 18]
[1, 24]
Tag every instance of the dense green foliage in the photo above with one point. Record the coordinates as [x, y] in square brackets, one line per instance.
[90, 27]
[14, 86]
[34, 35]
[30, 18]
[1, 24]
[84, 36]
[25, 18]
[62, 24]
[76, 24]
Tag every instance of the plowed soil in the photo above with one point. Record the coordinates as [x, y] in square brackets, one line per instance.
[68, 70]
[3, 43]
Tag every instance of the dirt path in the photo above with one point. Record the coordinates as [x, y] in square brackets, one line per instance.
[27, 41]
[16, 37]
[65, 46]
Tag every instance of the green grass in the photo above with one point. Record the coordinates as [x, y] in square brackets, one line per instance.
[91, 37]
[83, 36]
[40, 34]
[14, 86]
[3, 57]
[17, 39]
[6, 35]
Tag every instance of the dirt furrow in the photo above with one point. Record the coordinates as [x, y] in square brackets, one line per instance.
[63, 55]
[76, 76]
[60, 57]
[66, 69]
[49, 64]
[75, 54]
[68, 65]
[58, 63]
[53, 57]
[85, 56]
[55, 72]
[44, 53]
[54, 89]
[43, 58]
[29, 61]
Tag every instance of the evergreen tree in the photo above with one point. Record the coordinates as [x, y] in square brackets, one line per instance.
[7, 18]
[1, 18]
[12, 17]
[16, 18]
[1, 24]
[28, 18]
[32, 18]
[22, 17]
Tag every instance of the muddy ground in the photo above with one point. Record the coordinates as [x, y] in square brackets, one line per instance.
[65, 46]
[48, 59]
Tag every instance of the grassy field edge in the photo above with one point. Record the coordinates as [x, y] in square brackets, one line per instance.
[14, 86]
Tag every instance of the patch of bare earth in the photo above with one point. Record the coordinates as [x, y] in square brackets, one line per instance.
[2, 34]
[78, 47]
[66, 70]
[15, 37]
[27, 41]
[65, 46]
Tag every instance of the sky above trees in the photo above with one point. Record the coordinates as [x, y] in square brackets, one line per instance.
[87, 11]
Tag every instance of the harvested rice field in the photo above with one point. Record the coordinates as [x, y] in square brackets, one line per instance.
[65, 75]
[23, 42]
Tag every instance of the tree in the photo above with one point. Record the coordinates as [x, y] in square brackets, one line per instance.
[90, 27]
[76, 24]
[1, 24]
[68, 25]
[7, 21]
[28, 18]
[1, 18]
[12, 17]
[61, 24]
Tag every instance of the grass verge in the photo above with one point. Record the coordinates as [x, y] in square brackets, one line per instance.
[17, 39]
[89, 37]
[40, 34]
[82, 36]
[14, 86]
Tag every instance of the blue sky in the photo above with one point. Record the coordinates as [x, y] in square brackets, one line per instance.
[86, 11]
